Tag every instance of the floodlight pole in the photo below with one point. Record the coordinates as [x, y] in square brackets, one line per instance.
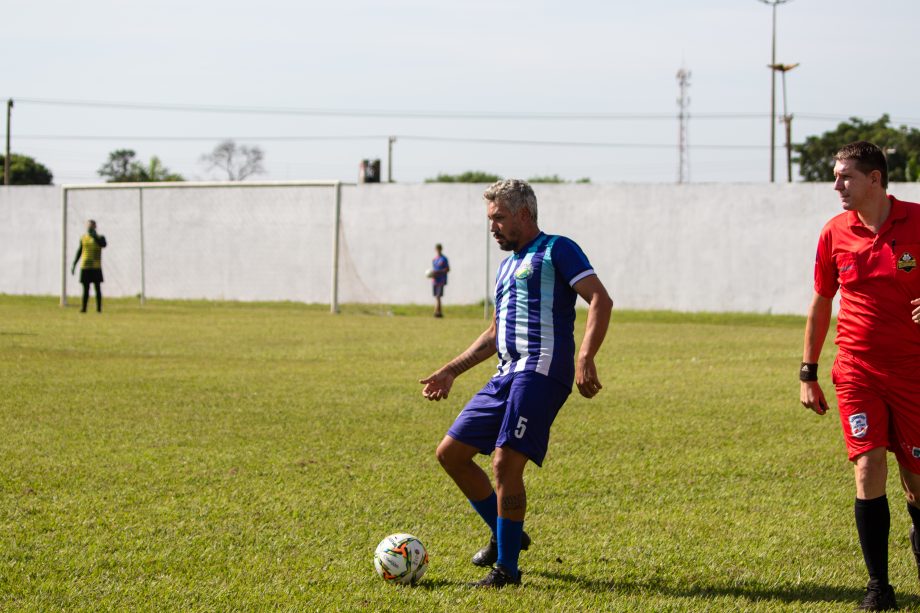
[773, 4]
[390, 141]
[7, 161]
[787, 118]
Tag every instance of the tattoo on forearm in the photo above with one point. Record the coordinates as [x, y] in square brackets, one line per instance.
[469, 358]
[515, 502]
[464, 362]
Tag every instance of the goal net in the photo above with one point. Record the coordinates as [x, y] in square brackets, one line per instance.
[230, 241]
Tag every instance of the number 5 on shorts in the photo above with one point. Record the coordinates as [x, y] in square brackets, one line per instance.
[521, 426]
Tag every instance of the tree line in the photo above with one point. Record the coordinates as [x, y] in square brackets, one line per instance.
[815, 158]
[237, 162]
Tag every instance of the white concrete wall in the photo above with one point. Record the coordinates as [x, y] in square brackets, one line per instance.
[706, 247]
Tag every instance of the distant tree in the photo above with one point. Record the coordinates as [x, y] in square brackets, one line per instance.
[24, 170]
[123, 168]
[238, 162]
[470, 176]
[546, 179]
[901, 146]
[155, 171]
[555, 179]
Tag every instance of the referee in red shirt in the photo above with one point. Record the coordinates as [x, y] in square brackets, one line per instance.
[870, 252]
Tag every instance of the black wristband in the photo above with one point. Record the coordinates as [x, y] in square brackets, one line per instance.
[808, 372]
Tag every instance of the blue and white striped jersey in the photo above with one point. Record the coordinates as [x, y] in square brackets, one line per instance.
[535, 307]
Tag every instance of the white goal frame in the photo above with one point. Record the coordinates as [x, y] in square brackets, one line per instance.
[141, 187]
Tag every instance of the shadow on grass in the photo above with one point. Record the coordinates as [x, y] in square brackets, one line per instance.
[437, 584]
[804, 593]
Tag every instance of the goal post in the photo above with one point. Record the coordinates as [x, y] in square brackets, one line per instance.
[140, 188]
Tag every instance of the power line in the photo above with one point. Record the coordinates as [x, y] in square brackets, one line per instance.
[448, 139]
[399, 113]
[435, 114]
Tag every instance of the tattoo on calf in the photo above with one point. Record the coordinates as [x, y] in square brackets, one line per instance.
[515, 502]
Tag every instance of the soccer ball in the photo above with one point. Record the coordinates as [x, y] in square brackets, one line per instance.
[429, 273]
[401, 558]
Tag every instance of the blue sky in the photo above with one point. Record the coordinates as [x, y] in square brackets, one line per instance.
[502, 57]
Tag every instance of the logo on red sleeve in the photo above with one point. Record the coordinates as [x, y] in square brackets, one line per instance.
[907, 262]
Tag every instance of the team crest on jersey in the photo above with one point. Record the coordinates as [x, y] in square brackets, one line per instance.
[907, 262]
[859, 425]
[524, 272]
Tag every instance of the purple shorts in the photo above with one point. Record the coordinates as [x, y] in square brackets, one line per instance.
[516, 411]
[437, 289]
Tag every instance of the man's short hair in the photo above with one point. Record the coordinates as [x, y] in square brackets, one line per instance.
[438, 247]
[514, 194]
[867, 157]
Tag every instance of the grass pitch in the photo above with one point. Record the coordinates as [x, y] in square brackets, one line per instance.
[233, 457]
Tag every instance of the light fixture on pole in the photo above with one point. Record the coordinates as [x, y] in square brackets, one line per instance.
[787, 118]
[773, 4]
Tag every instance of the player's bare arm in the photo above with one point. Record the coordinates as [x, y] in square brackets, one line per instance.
[438, 384]
[816, 327]
[599, 306]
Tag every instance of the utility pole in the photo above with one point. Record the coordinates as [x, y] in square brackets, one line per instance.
[773, 4]
[390, 141]
[7, 161]
[787, 118]
[683, 118]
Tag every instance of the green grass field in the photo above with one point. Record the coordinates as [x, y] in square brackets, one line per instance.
[192, 456]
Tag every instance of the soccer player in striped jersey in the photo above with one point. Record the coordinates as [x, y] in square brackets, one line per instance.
[532, 331]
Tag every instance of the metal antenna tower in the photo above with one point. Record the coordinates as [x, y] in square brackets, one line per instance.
[683, 117]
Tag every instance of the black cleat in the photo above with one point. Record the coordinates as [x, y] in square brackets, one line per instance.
[878, 598]
[915, 546]
[498, 577]
[488, 555]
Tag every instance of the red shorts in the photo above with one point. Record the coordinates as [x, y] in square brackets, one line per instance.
[879, 407]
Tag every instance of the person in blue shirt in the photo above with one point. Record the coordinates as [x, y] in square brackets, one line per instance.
[439, 269]
[532, 331]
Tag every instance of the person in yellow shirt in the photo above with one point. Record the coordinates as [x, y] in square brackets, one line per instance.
[89, 254]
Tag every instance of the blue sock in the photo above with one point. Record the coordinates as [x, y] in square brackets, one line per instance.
[509, 544]
[488, 510]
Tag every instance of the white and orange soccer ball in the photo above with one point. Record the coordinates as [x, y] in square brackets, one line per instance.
[401, 558]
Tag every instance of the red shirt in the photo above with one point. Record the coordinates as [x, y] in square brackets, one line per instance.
[878, 276]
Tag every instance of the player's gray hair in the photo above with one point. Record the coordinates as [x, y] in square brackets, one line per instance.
[514, 194]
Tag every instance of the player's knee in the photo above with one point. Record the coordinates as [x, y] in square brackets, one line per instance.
[499, 469]
[872, 469]
[506, 469]
[448, 458]
[442, 456]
